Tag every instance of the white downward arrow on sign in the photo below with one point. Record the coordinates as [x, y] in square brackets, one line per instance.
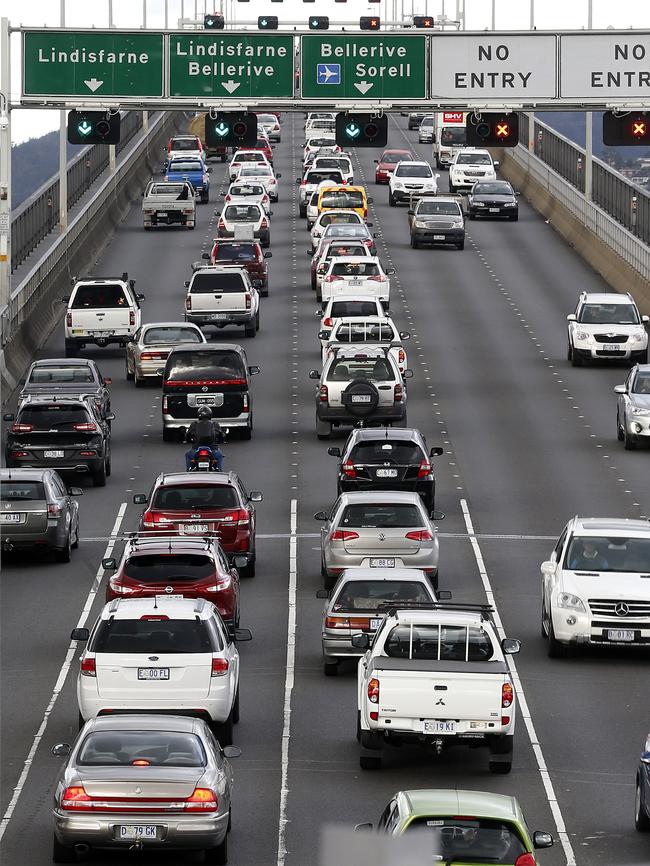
[231, 85]
[93, 84]
[363, 86]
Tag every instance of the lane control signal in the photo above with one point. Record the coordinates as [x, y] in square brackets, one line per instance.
[490, 129]
[93, 127]
[361, 130]
[626, 130]
[235, 128]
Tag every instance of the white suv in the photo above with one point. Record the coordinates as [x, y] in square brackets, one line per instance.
[411, 178]
[609, 326]
[164, 654]
[470, 165]
[363, 276]
[595, 586]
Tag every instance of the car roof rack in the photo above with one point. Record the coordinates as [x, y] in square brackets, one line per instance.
[392, 608]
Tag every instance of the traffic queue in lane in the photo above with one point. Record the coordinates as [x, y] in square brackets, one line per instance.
[166, 641]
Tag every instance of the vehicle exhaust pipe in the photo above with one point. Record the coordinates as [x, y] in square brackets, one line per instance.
[82, 849]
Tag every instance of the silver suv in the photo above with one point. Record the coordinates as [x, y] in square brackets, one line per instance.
[633, 407]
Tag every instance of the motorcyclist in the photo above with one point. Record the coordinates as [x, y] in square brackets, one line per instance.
[206, 432]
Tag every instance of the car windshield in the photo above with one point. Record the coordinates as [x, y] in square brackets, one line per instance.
[146, 636]
[141, 749]
[609, 314]
[474, 159]
[364, 332]
[376, 516]
[160, 567]
[439, 208]
[22, 491]
[179, 190]
[236, 252]
[439, 642]
[601, 553]
[323, 174]
[341, 309]
[208, 283]
[342, 198]
[267, 118]
[427, 121]
[394, 453]
[498, 188]
[367, 595]
[186, 165]
[410, 170]
[171, 334]
[328, 219]
[55, 416]
[453, 135]
[354, 270]
[184, 144]
[641, 384]
[212, 365]
[470, 840]
[200, 497]
[246, 190]
[60, 375]
[92, 297]
[242, 213]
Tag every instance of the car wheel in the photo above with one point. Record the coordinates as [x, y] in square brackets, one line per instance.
[247, 432]
[319, 294]
[109, 465]
[576, 358]
[330, 669]
[323, 429]
[139, 383]
[248, 570]
[501, 768]
[129, 376]
[219, 854]
[223, 730]
[235, 706]
[620, 435]
[62, 554]
[205, 198]
[414, 242]
[71, 350]
[370, 762]
[257, 321]
[391, 199]
[629, 441]
[250, 330]
[61, 854]
[471, 215]
[75, 543]
[641, 819]
[302, 211]
[358, 726]
[556, 650]
[461, 245]
[99, 477]
[167, 434]
[514, 217]
[569, 352]
[543, 626]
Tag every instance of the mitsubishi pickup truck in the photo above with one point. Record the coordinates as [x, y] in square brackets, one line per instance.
[192, 169]
[220, 296]
[101, 311]
[436, 675]
[168, 204]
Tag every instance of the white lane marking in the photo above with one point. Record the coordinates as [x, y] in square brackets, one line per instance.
[523, 703]
[288, 683]
[63, 674]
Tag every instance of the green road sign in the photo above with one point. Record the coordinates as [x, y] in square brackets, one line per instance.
[351, 66]
[92, 64]
[231, 65]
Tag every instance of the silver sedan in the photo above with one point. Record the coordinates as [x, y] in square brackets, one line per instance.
[633, 407]
[147, 352]
[143, 782]
[378, 529]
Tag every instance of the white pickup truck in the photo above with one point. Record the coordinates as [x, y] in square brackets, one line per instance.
[436, 674]
[168, 204]
[222, 295]
[101, 311]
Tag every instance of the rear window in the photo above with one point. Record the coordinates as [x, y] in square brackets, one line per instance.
[394, 453]
[141, 749]
[254, 156]
[375, 369]
[364, 332]
[370, 515]
[354, 269]
[341, 309]
[319, 176]
[340, 218]
[242, 213]
[321, 141]
[453, 135]
[340, 198]
[200, 497]
[258, 170]
[346, 250]
[151, 636]
[439, 643]
[246, 189]
[236, 252]
[180, 190]
[205, 365]
[186, 165]
[60, 375]
[155, 336]
[53, 417]
[224, 282]
[93, 297]
[157, 567]
[335, 162]
[494, 188]
[335, 227]
[22, 491]
[367, 595]
[184, 144]
[470, 840]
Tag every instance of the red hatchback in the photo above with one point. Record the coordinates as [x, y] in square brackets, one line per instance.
[387, 162]
[191, 504]
[264, 145]
[243, 254]
[175, 565]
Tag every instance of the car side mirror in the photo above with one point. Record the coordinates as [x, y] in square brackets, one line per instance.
[298, 181]
[79, 634]
[109, 416]
[109, 563]
[517, 193]
[310, 252]
[410, 212]
[322, 593]
[268, 254]
[542, 840]
[645, 319]
[360, 641]
[314, 374]
[279, 174]
[61, 750]
[240, 561]
[389, 272]
[334, 451]
[75, 491]
[107, 381]
[141, 297]
[139, 498]
[496, 163]
[9, 416]
[571, 318]
[142, 194]
[363, 828]
[320, 515]
[548, 568]
[205, 256]
[438, 451]
[370, 200]
[437, 515]
[319, 313]
[370, 225]
[253, 370]
[231, 752]
[407, 374]
[443, 595]
[620, 389]
[186, 284]
[405, 335]
[65, 299]
[323, 335]
[255, 496]
[243, 634]
[510, 645]
[376, 160]
[270, 213]
[436, 176]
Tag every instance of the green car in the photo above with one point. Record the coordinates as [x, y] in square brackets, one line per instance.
[467, 828]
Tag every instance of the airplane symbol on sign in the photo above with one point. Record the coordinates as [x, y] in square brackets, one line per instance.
[328, 73]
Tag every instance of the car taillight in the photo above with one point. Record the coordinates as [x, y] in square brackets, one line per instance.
[337, 622]
[153, 356]
[165, 404]
[247, 298]
[368, 242]
[343, 535]
[323, 394]
[19, 454]
[328, 322]
[222, 224]
[68, 320]
[420, 535]
[525, 860]
[53, 510]
[377, 278]
[75, 797]
[373, 691]
[188, 302]
[202, 800]
[88, 667]
[88, 453]
[22, 428]
[219, 667]
[246, 406]
[303, 183]
[228, 197]
[264, 224]
[401, 356]
[321, 269]
[507, 695]
[425, 469]
[398, 393]
[85, 427]
[329, 278]
[131, 317]
[348, 469]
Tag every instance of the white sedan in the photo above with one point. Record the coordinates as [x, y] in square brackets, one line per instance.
[337, 216]
[245, 157]
[260, 173]
[363, 276]
[323, 139]
[250, 191]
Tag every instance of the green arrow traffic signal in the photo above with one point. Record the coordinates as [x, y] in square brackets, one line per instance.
[361, 130]
[352, 130]
[222, 129]
[84, 128]
[93, 127]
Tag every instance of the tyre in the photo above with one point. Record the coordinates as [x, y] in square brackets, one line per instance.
[461, 245]
[471, 215]
[370, 762]
[543, 628]
[514, 218]
[569, 352]
[556, 650]
[167, 434]
[391, 199]
[250, 330]
[223, 730]
[302, 211]
[629, 441]
[414, 242]
[500, 767]
[109, 465]
[576, 358]
[139, 383]
[330, 669]
[319, 294]
[62, 554]
[235, 707]
[323, 429]
[71, 350]
[438, 163]
[218, 855]
[205, 197]
[248, 570]
[75, 543]
[257, 321]
[358, 726]
[620, 435]
[129, 376]
[641, 820]
[452, 188]
[61, 854]
[247, 432]
[99, 477]
[360, 388]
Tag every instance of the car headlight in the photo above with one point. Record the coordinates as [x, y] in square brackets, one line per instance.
[641, 413]
[639, 337]
[478, 204]
[428, 186]
[510, 204]
[567, 600]
[457, 225]
[420, 225]
[398, 184]
[582, 335]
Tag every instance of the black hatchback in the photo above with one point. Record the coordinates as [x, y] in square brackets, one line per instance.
[387, 458]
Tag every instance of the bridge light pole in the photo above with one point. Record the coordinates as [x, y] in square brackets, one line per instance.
[5, 180]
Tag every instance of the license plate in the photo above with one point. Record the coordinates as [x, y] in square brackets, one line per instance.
[386, 473]
[194, 528]
[437, 727]
[612, 347]
[375, 622]
[360, 398]
[353, 282]
[218, 317]
[54, 454]
[153, 673]
[165, 597]
[10, 518]
[382, 562]
[205, 401]
[101, 333]
[438, 237]
[137, 831]
[162, 214]
[493, 210]
[623, 634]
[203, 464]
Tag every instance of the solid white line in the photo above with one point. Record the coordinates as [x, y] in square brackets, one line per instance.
[523, 703]
[63, 674]
[288, 683]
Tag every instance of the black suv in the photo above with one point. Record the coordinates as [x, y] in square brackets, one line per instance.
[67, 434]
[387, 458]
[68, 377]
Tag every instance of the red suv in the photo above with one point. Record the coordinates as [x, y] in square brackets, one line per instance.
[190, 505]
[265, 146]
[243, 254]
[191, 567]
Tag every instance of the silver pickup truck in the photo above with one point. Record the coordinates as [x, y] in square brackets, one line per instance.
[168, 204]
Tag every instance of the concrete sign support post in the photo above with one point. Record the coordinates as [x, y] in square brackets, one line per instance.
[5, 176]
[63, 155]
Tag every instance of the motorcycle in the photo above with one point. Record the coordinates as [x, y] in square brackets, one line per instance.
[203, 460]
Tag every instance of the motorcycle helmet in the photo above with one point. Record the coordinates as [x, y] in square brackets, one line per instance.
[204, 412]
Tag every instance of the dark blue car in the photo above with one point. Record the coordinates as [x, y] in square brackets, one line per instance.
[194, 170]
[642, 798]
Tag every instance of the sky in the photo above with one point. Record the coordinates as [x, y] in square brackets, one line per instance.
[509, 15]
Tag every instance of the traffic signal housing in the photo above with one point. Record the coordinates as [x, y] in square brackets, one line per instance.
[267, 22]
[492, 130]
[423, 21]
[369, 22]
[319, 22]
[93, 127]
[626, 130]
[361, 130]
[214, 21]
[236, 128]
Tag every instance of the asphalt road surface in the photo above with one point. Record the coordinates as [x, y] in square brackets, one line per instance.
[529, 442]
